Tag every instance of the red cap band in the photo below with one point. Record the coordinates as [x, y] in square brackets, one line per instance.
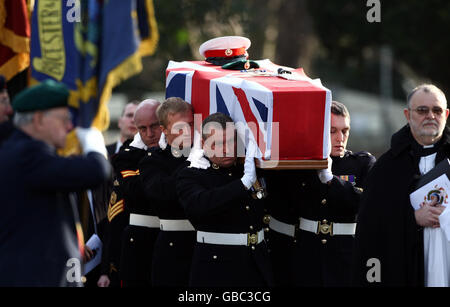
[224, 53]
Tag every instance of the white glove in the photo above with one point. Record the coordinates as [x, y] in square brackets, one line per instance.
[249, 177]
[325, 175]
[197, 159]
[91, 139]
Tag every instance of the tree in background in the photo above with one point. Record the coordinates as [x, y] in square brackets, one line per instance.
[185, 24]
[413, 29]
[330, 39]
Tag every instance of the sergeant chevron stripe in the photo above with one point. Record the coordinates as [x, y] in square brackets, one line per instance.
[115, 209]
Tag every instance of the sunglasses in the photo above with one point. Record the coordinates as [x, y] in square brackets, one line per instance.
[422, 110]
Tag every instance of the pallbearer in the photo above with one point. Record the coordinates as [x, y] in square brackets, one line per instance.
[158, 171]
[216, 194]
[326, 203]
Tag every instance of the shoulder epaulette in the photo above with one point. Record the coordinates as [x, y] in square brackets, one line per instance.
[363, 154]
[129, 173]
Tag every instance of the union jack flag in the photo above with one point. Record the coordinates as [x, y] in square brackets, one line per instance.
[289, 119]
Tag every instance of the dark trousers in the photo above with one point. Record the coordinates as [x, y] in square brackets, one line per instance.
[136, 257]
[318, 264]
[281, 249]
[230, 266]
[172, 258]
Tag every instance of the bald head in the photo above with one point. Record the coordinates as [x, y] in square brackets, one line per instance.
[147, 123]
[427, 89]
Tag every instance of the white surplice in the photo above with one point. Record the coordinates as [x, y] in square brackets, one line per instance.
[436, 241]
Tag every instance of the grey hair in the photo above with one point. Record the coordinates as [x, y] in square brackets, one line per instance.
[426, 88]
[23, 119]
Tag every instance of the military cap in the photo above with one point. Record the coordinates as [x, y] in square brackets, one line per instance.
[221, 50]
[43, 96]
[2, 83]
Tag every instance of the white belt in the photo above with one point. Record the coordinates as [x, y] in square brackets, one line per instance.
[176, 225]
[281, 227]
[326, 227]
[245, 239]
[144, 220]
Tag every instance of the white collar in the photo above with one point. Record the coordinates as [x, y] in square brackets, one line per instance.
[137, 142]
[162, 141]
[118, 145]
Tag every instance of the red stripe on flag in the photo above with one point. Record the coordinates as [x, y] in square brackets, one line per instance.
[17, 17]
[250, 118]
[200, 92]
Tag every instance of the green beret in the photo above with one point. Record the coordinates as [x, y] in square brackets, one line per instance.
[241, 64]
[43, 96]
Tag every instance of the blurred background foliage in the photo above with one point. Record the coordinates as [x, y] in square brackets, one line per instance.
[330, 39]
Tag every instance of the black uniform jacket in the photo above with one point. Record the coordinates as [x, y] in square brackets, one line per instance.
[215, 200]
[111, 149]
[282, 205]
[130, 247]
[6, 129]
[324, 260]
[37, 224]
[387, 229]
[173, 249]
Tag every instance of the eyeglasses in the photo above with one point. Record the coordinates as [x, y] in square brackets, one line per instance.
[423, 110]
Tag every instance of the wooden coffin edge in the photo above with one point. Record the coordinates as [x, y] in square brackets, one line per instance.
[292, 164]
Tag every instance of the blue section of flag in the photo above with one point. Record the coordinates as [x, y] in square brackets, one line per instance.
[221, 106]
[90, 52]
[121, 38]
[262, 109]
[141, 9]
[177, 87]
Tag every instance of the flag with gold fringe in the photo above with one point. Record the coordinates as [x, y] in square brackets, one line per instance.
[91, 46]
[148, 28]
[14, 37]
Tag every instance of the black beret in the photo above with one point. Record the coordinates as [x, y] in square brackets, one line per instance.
[241, 64]
[43, 96]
